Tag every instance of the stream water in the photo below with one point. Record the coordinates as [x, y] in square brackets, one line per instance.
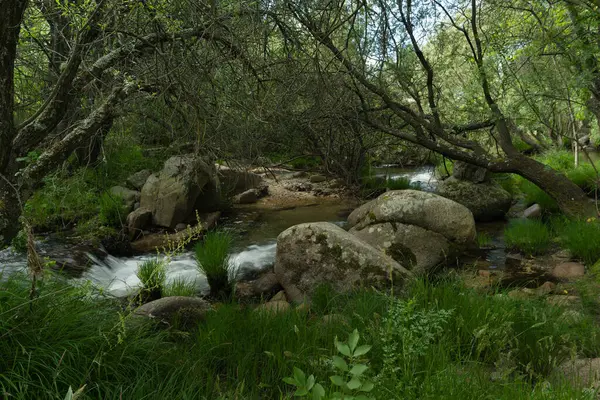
[254, 249]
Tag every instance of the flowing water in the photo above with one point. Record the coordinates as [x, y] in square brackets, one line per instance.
[254, 250]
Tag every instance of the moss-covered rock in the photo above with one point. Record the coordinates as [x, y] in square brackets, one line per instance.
[487, 201]
[312, 254]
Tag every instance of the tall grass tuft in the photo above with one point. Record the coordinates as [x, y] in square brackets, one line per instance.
[532, 237]
[180, 287]
[152, 273]
[212, 259]
[582, 239]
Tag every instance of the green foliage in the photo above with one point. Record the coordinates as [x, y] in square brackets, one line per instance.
[559, 159]
[585, 177]
[407, 334]
[63, 201]
[112, 210]
[19, 242]
[212, 259]
[238, 353]
[483, 239]
[444, 167]
[535, 195]
[180, 287]
[509, 182]
[529, 236]
[153, 275]
[582, 239]
[350, 375]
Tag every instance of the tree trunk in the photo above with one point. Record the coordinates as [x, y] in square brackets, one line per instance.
[571, 200]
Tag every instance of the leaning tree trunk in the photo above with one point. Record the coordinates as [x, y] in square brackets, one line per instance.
[569, 197]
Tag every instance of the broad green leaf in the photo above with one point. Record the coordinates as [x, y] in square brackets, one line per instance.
[339, 363]
[343, 348]
[338, 380]
[290, 381]
[354, 383]
[301, 392]
[362, 350]
[310, 382]
[353, 340]
[299, 376]
[358, 369]
[367, 386]
[318, 392]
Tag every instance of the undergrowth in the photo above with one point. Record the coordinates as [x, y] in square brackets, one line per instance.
[432, 341]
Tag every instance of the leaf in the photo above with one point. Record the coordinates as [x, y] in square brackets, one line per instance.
[339, 363]
[69, 395]
[358, 369]
[353, 340]
[338, 380]
[362, 350]
[299, 376]
[343, 348]
[310, 382]
[361, 397]
[290, 381]
[318, 392]
[301, 392]
[367, 386]
[354, 383]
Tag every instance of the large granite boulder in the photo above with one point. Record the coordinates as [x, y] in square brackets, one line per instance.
[323, 253]
[172, 194]
[136, 181]
[412, 207]
[418, 249]
[487, 201]
[417, 229]
[180, 310]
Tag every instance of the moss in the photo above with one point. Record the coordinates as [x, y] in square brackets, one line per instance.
[403, 255]
[321, 238]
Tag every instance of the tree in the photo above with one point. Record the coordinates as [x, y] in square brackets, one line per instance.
[412, 110]
[105, 65]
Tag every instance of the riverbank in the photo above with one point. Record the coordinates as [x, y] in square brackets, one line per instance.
[469, 345]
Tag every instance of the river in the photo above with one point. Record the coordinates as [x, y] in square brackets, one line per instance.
[254, 249]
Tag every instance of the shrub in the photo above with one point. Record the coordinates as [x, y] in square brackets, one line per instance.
[582, 239]
[152, 273]
[529, 236]
[19, 242]
[112, 210]
[212, 259]
[444, 167]
[180, 287]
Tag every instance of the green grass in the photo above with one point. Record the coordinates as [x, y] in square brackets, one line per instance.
[531, 237]
[585, 177]
[212, 259]
[484, 239]
[69, 337]
[534, 195]
[69, 198]
[153, 275]
[180, 287]
[112, 210]
[582, 239]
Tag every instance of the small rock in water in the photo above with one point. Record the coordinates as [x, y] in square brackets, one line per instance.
[568, 270]
[248, 197]
[535, 211]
